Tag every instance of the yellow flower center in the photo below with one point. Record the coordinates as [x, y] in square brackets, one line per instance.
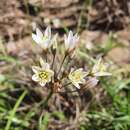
[44, 38]
[102, 68]
[76, 76]
[43, 75]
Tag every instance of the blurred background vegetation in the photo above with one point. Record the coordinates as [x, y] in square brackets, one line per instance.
[104, 29]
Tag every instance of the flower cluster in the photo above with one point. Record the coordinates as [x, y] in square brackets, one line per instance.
[51, 71]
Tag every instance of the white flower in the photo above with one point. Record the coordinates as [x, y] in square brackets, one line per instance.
[71, 42]
[77, 77]
[99, 69]
[42, 74]
[44, 40]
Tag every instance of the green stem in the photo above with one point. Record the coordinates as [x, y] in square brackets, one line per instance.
[54, 55]
[67, 84]
[45, 54]
[48, 97]
[61, 65]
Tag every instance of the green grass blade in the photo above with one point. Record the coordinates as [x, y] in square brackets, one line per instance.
[12, 114]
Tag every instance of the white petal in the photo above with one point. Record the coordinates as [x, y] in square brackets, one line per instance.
[92, 82]
[66, 42]
[49, 79]
[85, 74]
[96, 67]
[70, 36]
[42, 83]
[73, 43]
[99, 61]
[39, 33]
[35, 38]
[82, 81]
[35, 78]
[41, 43]
[48, 32]
[45, 66]
[102, 74]
[51, 72]
[47, 43]
[54, 41]
[77, 85]
[79, 70]
[70, 40]
[70, 76]
[76, 37]
[36, 69]
[72, 46]
[41, 61]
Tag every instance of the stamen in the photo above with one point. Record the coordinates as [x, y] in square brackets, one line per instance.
[43, 75]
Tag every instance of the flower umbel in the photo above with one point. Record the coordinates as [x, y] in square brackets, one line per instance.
[71, 42]
[55, 72]
[42, 74]
[77, 77]
[44, 40]
[100, 69]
